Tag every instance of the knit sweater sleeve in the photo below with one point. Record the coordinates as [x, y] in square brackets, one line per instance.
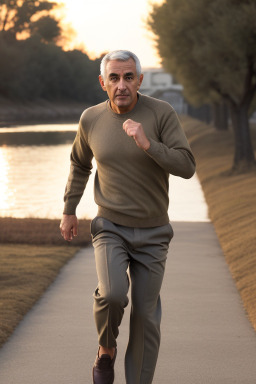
[80, 170]
[172, 152]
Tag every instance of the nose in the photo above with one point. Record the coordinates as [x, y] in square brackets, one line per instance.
[121, 85]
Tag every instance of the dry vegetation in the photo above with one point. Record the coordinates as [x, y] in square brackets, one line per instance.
[39, 232]
[31, 255]
[25, 273]
[231, 200]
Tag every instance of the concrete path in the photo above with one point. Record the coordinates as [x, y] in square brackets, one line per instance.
[206, 337]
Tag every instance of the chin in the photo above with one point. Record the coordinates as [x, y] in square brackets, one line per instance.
[122, 104]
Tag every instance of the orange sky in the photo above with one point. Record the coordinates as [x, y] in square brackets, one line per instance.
[103, 25]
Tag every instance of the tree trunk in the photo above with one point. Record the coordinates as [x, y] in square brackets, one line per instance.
[220, 116]
[244, 157]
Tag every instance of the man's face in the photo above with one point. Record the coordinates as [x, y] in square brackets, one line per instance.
[121, 84]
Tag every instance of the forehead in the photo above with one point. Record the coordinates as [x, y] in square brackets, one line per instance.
[119, 67]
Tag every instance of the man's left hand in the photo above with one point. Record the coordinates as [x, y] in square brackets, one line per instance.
[135, 130]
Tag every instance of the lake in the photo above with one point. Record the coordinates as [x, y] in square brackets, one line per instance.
[34, 166]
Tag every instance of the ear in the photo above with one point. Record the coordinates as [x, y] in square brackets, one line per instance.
[102, 83]
[140, 81]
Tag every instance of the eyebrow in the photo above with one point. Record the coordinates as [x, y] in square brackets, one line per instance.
[112, 74]
[116, 75]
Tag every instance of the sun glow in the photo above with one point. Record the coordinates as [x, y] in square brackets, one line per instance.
[104, 25]
[5, 194]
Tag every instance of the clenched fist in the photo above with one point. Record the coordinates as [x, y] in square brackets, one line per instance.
[135, 130]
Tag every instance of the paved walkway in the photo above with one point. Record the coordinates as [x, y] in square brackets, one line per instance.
[206, 337]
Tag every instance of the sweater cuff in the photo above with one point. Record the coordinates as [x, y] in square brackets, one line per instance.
[154, 148]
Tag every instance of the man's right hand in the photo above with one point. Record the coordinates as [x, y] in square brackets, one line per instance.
[69, 227]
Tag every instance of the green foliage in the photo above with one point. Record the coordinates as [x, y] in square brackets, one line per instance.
[29, 16]
[210, 47]
[33, 66]
[47, 28]
[31, 69]
[9, 65]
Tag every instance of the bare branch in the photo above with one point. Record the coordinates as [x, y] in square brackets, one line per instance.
[225, 95]
[5, 19]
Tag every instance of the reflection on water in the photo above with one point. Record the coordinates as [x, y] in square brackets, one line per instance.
[40, 128]
[29, 187]
[36, 138]
[33, 179]
[6, 194]
[34, 167]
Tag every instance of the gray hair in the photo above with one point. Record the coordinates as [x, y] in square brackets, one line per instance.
[122, 56]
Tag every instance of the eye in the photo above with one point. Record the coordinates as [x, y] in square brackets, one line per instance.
[113, 78]
[129, 78]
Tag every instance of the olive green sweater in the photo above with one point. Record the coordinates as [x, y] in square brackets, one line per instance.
[131, 185]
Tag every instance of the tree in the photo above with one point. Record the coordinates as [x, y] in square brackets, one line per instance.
[220, 116]
[210, 47]
[33, 66]
[32, 70]
[47, 28]
[29, 17]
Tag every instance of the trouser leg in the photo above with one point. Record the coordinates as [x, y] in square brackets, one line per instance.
[144, 250]
[110, 297]
[147, 265]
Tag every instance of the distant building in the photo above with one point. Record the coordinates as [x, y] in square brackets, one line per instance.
[155, 79]
[161, 85]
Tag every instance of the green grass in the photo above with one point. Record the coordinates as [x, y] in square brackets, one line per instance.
[231, 200]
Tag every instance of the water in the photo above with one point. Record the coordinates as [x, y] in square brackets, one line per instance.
[33, 175]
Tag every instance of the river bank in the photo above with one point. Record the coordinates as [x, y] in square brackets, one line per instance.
[38, 231]
[40, 111]
[231, 200]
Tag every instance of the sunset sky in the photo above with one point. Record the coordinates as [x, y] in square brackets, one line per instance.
[103, 25]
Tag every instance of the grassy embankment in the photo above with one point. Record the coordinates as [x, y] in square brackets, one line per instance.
[40, 111]
[31, 255]
[32, 252]
[231, 200]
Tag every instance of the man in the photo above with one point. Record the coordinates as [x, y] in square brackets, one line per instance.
[137, 142]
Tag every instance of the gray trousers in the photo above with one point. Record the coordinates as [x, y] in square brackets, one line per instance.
[143, 251]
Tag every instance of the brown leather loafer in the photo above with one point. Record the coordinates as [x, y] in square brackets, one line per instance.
[103, 369]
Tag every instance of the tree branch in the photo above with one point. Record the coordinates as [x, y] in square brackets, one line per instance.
[6, 16]
[225, 95]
